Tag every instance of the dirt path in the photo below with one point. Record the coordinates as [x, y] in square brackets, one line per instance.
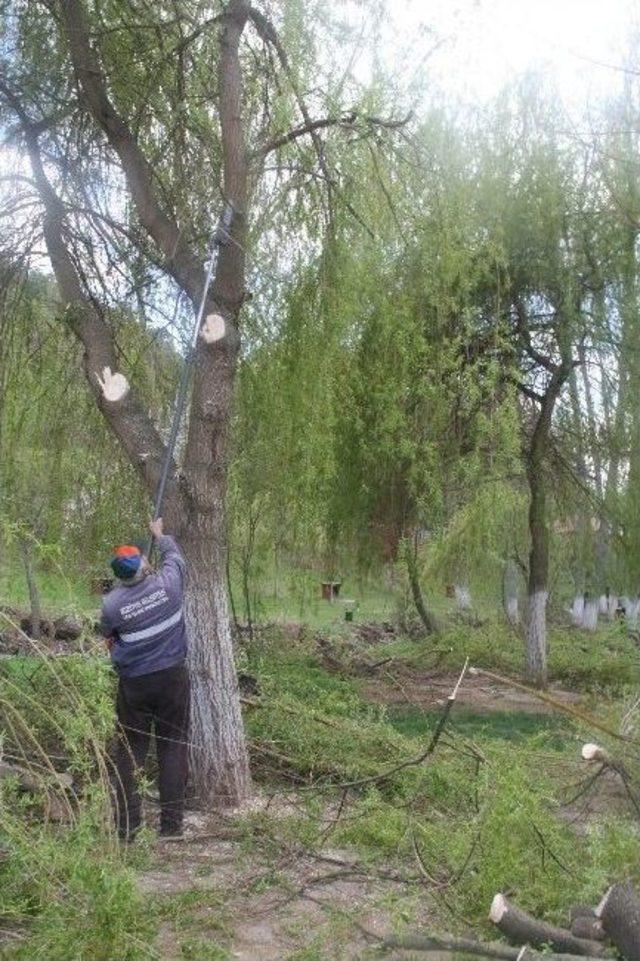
[403, 687]
[257, 906]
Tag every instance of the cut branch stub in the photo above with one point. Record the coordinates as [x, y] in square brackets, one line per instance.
[114, 387]
[522, 928]
[213, 328]
[593, 752]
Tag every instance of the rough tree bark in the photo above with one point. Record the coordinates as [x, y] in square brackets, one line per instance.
[35, 607]
[428, 620]
[557, 374]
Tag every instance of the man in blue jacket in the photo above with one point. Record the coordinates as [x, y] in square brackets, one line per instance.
[143, 621]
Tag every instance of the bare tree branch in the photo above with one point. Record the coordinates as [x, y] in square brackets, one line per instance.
[349, 121]
[179, 259]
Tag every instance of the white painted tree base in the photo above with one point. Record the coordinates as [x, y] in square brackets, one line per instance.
[536, 638]
[577, 610]
[463, 597]
[590, 618]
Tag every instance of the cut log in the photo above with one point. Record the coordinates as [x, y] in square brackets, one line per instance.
[589, 928]
[593, 752]
[581, 911]
[67, 628]
[619, 912]
[31, 781]
[461, 946]
[522, 928]
[31, 628]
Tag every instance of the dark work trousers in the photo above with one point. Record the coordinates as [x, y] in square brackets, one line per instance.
[160, 700]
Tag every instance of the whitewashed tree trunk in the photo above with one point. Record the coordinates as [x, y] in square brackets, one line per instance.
[590, 619]
[463, 597]
[510, 578]
[577, 610]
[536, 637]
[631, 615]
[603, 604]
[612, 606]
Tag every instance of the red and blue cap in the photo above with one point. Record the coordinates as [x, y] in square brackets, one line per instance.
[126, 561]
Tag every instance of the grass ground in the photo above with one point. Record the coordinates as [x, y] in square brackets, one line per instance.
[316, 858]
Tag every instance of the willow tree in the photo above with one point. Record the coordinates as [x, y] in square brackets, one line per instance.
[550, 231]
[138, 121]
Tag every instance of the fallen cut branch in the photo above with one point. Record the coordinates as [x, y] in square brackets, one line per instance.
[593, 752]
[581, 911]
[590, 928]
[619, 912]
[522, 928]
[376, 778]
[444, 942]
[556, 704]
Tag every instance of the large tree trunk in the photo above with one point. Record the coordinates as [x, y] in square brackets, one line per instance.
[195, 501]
[35, 607]
[536, 456]
[537, 588]
[428, 620]
[218, 755]
[220, 761]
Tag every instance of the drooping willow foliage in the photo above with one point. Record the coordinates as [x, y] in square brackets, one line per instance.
[382, 391]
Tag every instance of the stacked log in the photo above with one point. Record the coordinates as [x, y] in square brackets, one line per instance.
[616, 920]
[523, 928]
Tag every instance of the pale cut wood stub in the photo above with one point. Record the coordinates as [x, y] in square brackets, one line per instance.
[593, 752]
[213, 328]
[498, 908]
[114, 386]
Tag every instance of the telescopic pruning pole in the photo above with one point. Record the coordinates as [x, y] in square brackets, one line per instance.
[221, 237]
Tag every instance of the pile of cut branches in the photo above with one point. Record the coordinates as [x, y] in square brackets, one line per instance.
[592, 932]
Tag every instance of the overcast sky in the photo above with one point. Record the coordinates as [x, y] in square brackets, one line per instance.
[490, 41]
